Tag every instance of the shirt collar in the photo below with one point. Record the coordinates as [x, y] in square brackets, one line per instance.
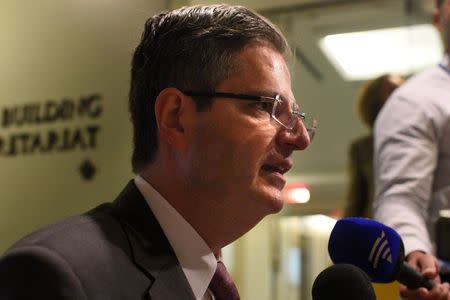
[195, 257]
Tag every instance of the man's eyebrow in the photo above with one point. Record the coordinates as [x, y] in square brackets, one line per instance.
[268, 93]
[290, 99]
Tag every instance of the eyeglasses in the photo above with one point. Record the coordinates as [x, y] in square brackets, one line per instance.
[284, 112]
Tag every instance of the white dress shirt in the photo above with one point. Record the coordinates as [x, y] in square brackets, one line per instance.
[412, 157]
[195, 257]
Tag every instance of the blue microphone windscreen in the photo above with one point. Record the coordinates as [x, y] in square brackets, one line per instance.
[373, 247]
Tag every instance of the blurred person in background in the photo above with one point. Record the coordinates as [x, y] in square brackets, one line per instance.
[412, 162]
[372, 96]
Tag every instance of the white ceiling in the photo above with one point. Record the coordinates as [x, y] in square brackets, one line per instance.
[426, 5]
[265, 4]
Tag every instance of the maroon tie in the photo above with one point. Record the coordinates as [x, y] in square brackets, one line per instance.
[222, 285]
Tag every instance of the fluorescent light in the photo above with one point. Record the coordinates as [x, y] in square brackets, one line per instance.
[366, 54]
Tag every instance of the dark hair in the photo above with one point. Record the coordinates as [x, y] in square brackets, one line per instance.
[190, 48]
[372, 96]
[439, 3]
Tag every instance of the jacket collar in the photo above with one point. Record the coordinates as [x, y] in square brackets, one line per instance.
[150, 249]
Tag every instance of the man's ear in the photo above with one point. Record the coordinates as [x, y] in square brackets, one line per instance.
[170, 108]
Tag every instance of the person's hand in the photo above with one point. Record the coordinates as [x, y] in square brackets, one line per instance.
[441, 291]
[426, 264]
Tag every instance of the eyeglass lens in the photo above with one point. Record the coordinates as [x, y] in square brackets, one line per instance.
[283, 112]
[287, 113]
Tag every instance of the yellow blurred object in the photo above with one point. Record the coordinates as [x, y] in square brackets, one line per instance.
[387, 291]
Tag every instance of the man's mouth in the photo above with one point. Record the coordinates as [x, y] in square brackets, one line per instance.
[276, 168]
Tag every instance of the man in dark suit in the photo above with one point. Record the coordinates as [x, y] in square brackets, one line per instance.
[215, 126]
[372, 97]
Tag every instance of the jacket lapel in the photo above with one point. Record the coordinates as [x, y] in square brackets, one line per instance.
[151, 251]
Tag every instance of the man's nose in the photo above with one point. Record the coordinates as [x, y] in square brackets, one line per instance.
[297, 138]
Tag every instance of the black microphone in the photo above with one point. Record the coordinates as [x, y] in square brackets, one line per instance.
[375, 248]
[343, 281]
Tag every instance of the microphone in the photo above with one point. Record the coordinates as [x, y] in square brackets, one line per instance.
[376, 249]
[342, 281]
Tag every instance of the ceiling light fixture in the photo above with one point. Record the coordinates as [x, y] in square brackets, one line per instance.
[366, 54]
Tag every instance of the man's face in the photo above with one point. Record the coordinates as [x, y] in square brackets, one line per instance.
[238, 153]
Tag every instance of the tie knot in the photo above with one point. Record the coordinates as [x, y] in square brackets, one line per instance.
[222, 285]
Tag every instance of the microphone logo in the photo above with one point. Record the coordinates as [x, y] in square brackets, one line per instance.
[380, 249]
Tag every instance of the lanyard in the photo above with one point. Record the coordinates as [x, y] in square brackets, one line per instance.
[445, 68]
[445, 65]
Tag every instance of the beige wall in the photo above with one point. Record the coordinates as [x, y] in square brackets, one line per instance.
[51, 51]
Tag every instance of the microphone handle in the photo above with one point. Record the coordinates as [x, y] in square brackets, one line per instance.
[413, 279]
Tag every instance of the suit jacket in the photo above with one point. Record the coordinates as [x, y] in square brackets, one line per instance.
[115, 251]
[361, 186]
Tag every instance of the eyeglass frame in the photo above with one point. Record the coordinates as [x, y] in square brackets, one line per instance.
[274, 100]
